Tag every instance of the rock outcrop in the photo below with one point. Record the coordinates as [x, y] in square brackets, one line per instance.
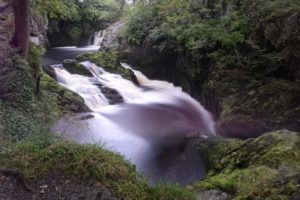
[111, 39]
[38, 29]
[267, 167]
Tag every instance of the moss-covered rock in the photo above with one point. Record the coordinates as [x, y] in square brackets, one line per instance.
[21, 113]
[251, 105]
[110, 61]
[65, 99]
[267, 167]
[74, 67]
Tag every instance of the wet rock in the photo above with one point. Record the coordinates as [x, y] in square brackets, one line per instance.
[178, 163]
[86, 117]
[49, 71]
[111, 95]
[38, 28]
[212, 195]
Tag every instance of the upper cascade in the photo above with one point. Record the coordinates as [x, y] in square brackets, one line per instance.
[96, 38]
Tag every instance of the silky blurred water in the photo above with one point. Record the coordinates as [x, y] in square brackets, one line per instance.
[150, 128]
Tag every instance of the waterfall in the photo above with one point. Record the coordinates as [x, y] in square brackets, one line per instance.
[96, 38]
[91, 94]
[142, 128]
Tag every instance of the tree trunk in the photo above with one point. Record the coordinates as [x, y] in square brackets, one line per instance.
[21, 37]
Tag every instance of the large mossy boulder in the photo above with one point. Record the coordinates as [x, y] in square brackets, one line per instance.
[110, 61]
[74, 67]
[67, 100]
[267, 167]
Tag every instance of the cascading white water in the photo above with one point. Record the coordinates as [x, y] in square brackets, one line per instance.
[91, 94]
[149, 121]
[96, 38]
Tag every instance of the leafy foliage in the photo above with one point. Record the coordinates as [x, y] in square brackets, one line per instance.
[185, 26]
[218, 30]
[79, 19]
[63, 9]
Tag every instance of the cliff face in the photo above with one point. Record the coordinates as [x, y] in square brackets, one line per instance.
[281, 34]
[265, 96]
[111, 38]
[38, 29]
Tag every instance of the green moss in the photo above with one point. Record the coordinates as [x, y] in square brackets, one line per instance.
[75, 67]
[109, 61]
[271, 149]
[21, 113]
[241, 183]
[254, 168]
[253, 183]
[65, 99]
